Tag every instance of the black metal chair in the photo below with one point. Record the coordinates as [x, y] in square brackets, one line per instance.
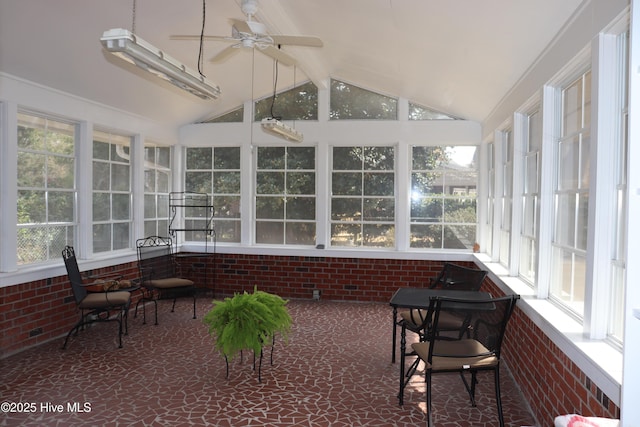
[459, 277]
[479, 352]
[95, 306]
[454, 277]
[159, 274]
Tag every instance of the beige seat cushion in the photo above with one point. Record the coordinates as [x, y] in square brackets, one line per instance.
[447, 321]
[459, 354]
[105, 299]
[168, 283]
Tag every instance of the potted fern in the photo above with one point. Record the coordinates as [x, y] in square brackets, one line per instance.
[247, 321]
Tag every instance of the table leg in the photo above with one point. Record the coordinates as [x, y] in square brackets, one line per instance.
[395, 324]
[403, 346]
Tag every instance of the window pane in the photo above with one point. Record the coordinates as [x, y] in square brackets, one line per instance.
[46, 193]
[270, 182]
[299, 103]
[301, 233]
[226, 182]
[270, 232]
[346, 209]
[227, 158]
[216, 172]
[112, 190]
[301, 183]
[379, 184]
[346, 183]
[198, 182]
[443, 191]
[346, 234]
[370, 185]
[269, 207]
[348, 102]
[199, 158]
[301, 208]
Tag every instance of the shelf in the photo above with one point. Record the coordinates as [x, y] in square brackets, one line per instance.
[200, 205]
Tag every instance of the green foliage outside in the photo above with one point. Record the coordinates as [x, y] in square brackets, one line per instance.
[46, 193]
[247, 321]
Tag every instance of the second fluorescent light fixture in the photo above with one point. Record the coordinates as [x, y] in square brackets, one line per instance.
[133, 49]
[277, 128]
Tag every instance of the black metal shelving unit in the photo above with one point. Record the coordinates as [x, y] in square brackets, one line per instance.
[191, 219]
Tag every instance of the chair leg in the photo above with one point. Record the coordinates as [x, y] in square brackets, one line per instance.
[429, 412]
[75, 329]
[403, 346]
[471, 388]
[194, 303]
[498, 398]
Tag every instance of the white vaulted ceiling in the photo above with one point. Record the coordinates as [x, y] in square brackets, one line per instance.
[457, 56]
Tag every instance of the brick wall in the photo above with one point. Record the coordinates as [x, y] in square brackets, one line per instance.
[551, 383]
[35, 312]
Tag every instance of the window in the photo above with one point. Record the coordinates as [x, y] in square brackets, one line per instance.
[571, 196]
[419, 112]
[216, 171]
[491, 198]
[299, 103]
[46, 188]
[234, 116]
[157, 185]
[530, 195]
[507, 196]
[363, 197]
[618, 259]
[112, 220]
[348, 102]
[286, 195]
[443, 197]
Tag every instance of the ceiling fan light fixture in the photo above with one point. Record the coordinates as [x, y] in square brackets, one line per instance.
[142, 54]
[279, 129]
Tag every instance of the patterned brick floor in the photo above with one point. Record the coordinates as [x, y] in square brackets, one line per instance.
[334, 371]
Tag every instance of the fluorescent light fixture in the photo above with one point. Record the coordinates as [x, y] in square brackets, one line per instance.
[277, 128]
[133, 49]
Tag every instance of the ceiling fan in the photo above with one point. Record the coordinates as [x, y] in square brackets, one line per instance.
[253, 34]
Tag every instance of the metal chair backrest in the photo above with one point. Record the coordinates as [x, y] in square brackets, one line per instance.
[71, 263]
[459, 277]
[487, 321]
[155, 258]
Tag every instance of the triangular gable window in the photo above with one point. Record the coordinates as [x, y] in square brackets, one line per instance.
[234, 116]
[419, 112]
[298, 103]
[350, 102]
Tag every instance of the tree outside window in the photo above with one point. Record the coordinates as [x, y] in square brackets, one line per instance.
[443, 197]
[363, 197]
[46, 188]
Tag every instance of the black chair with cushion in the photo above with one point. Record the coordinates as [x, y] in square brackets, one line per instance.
[160, 273]
[480, 351]
[100, 306]
[459, 277]
[453, 277]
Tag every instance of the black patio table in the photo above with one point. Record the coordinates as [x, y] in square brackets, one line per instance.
[419, 298]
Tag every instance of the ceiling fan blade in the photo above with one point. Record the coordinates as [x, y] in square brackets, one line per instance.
[297, 40]
[277, 54]
[206, 38]
[225, 53]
